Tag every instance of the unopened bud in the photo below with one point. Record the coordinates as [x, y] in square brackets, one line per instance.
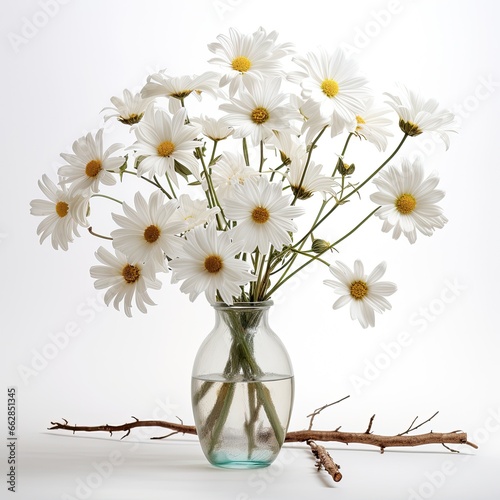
[320, 246]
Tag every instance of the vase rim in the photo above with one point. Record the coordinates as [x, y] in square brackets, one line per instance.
[264, 304]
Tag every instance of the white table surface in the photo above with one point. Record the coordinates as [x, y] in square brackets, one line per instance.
[56, 465]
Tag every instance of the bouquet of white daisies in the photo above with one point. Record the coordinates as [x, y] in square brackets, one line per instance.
[227, 161]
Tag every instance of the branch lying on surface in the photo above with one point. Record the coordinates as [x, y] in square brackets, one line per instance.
[380, 441]
[323, 459]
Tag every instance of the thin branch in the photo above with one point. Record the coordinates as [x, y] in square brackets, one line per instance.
[317, 411]
[411, 428]
[370, 425]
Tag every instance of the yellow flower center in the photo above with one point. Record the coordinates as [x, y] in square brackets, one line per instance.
[358, 289]
[330, 87]
[131, 273]
[93, 167]
[260, 215]
[152, 233]
[410, 128]
[359, 121]
[260, 115]
[241, 64]
[213, 264]
[166, 148]
[405, 204]
[62, 208]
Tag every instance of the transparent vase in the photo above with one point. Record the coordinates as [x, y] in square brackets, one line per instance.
[242, 388]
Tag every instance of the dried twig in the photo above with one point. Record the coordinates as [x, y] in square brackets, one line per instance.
[317, 411]
[323, 459]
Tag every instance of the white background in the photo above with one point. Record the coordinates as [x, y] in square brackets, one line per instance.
[57, 78]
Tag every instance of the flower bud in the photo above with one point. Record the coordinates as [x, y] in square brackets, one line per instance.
[320, 246]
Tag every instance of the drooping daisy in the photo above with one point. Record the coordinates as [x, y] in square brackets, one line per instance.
[163, 139]
[418, 115]
[128, 110]
[260, 110]
[193, 212]
[230, 171]
[248, 57]
[372, 125]
[264, 215]
[90, 166]
[148, 233]
[213, 128]
[408, 201]
[64, 211]
[336, 84]
[365, 293]
[180, 87]
[304, 186]
[125, 280]
[208, 264]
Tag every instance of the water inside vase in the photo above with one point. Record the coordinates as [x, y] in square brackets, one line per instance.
[242, 424]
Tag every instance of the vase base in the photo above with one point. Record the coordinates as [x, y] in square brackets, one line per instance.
[241, 465]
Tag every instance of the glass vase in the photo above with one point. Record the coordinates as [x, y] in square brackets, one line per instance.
[242, 388]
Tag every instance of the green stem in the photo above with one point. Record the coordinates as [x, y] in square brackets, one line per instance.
[317, 257]
[106, 196]
[156, 184]
[297, 189]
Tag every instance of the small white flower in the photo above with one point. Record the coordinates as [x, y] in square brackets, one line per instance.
[248, 57]
[418, 115]
[260, 110]
[264, 215]
[304, 186]
[89, 166]
[193, 212]
[180, 87]
[336, 84]
[148, 233]
[229, 171]
[128, 110]
[213, 128]
[125, 279]
[366, 294]
[163, 140]
[408, 201]
[372, 125]
[208, 264]
[64, 211]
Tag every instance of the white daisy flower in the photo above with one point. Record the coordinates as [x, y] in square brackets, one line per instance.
[193, 212]
[408, 201]
[418, 115]
[208, 264]
[125, 280]
[128, 110]
[179, 87]
[260, 110]
[163, 139]
[304, 186]
[372, 125]
[64, 211]
[148, 233]
[365, 293]
[89, 166]
[336, 84]
[213, 128]
[229, 171]
[264, 215]
[248, 57]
